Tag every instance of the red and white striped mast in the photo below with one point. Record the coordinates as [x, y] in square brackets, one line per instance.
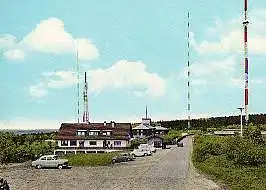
[245, 24]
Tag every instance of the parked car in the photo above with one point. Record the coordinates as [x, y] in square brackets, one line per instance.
[152, 148]
[141, 152]
[50, 161]
[121, 158]
[130, 156]
[180, 144]
[3, 184]
[147, 147]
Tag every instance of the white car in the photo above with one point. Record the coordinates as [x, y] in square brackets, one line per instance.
[140, 152]
[152, 148]
[50, 161]
[147, 147]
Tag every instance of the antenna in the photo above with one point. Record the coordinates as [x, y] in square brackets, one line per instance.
[245, 24]
[146, 112]
[78, 82]
[188, 72]
[85, 99]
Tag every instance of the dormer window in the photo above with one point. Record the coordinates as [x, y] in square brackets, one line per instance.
[94, 132]
[81, 132]
[106, 133]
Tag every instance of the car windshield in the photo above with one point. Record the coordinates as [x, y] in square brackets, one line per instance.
[55, 158]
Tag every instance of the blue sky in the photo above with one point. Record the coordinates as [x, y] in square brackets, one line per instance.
[134, 53]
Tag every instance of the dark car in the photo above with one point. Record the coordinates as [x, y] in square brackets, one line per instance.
[130, 156]
[180, 144]
[3, 184]
[124, 157]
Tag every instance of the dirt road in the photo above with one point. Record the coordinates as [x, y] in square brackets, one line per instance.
[165, 169]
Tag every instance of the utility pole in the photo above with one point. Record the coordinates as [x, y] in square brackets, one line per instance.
[241, 122]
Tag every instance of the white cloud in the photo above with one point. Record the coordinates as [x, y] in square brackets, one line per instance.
[230, 36]
[7, 41]
[60, 79]
[132, 76]
[49, 36]
[212, 72]
[15, 54]
[213, 67]
[38, 90]
[126, 74]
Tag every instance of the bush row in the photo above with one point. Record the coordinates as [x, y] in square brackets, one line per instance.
[13, 150]
[247, 150]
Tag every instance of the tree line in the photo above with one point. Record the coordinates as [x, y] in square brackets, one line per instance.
[20, 148]
[213, 122]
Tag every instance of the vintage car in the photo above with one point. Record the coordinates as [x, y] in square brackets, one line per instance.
[141, 152]
[123, 157]
[147, 147]
[50, 161]
[180, 144]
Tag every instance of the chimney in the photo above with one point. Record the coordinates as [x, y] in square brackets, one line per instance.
[113, 124]
[104, 123]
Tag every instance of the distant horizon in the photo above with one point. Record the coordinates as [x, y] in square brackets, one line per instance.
[53, 127]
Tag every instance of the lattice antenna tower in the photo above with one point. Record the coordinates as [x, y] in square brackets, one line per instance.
[85, 99]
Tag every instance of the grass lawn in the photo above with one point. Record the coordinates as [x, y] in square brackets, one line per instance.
[92, 159]
[234, 176]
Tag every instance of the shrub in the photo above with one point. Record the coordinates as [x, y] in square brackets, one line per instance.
[135, 143]
[205, 146]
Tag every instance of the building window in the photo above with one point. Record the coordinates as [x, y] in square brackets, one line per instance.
[64, 143]
[108, 133]
[117, 143]
[81, 133]
[81, 144]
[73, 143]
[93, 143]
[93, 133]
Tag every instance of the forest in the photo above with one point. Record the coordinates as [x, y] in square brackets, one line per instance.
[214, 122]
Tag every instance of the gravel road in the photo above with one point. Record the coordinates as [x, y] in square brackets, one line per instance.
[166, 169]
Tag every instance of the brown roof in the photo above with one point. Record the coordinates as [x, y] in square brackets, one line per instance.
[68, 131]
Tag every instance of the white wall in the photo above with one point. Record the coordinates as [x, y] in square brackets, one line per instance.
[124, 143]
[99, 143]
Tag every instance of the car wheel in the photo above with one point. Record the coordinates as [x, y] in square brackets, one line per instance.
[145, 154]
[39, 166]
[113, 160]
[60, 167]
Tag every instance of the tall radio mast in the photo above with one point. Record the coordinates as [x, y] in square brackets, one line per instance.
[78, 84]
[245, 24]
[188, 72]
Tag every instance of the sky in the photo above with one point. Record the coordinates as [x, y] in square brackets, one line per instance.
[134, 53]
